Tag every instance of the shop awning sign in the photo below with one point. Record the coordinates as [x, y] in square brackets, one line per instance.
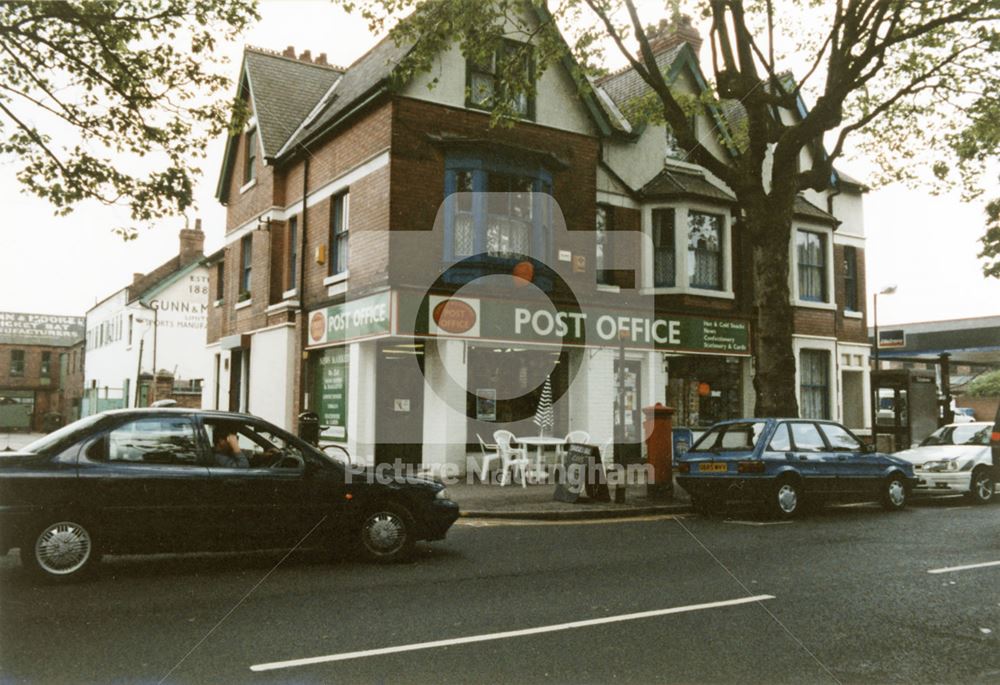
[505, 320]
[893, 338]
[365, 317]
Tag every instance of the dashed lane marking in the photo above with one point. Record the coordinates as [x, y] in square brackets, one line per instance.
[951, 569]
[345, 656]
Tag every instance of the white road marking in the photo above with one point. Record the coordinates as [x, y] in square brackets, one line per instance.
[274, 665]
[757, 523]
[964, 568]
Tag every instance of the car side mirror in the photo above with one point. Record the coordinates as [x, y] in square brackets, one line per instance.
[867, 448]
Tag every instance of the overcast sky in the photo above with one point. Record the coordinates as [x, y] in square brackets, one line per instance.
[925, 245]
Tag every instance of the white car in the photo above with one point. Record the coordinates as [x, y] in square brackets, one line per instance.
[954, 459]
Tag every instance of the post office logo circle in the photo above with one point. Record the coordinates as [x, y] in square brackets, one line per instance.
[317, 327]
[454, 316]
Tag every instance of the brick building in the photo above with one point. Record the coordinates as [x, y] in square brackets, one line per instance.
[41, 366]
[385, 301]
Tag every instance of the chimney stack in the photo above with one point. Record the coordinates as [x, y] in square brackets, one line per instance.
[289, 52]
[306, 56]
[192, 244]
[669, 34]
[321, 60]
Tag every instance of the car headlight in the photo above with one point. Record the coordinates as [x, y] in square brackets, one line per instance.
[441, 494]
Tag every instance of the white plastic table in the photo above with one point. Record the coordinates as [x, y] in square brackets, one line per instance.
[540, 442]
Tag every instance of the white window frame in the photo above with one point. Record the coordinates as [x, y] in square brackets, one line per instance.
[828, 345]
[681, 279]
[793, 272]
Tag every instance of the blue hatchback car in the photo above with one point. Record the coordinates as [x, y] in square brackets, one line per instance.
[786, 462]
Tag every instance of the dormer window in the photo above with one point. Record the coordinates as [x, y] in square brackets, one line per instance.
[482, 76]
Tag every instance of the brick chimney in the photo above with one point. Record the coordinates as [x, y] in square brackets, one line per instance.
[289, 52]
[306, 56]
[321, 59]
[669, 34]
[192, 244]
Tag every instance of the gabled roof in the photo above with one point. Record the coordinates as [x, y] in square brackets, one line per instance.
[159, 278]
[626, 84]
[367, 75]
[280, 108]
[677, 182]
[265, 79]
[805, 208]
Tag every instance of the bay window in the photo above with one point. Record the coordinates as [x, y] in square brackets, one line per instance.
[811, 252]
[705, 250]
[496, 210]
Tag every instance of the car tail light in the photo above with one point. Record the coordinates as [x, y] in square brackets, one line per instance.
[995, 436]
[684, 467]
[750, 467]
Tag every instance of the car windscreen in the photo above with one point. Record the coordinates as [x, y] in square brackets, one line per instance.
[962, 434]
[64, 435]
[730, 437]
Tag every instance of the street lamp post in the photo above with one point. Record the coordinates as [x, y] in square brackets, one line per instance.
[888, 290]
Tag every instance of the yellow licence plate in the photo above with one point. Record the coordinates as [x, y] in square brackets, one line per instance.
[713, 467]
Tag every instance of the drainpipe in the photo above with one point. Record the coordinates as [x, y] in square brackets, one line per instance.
[303, 314]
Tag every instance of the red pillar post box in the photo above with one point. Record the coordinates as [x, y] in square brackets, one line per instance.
[658, 428]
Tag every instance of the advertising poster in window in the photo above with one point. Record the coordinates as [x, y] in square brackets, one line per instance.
[486, 404]
[331, 393]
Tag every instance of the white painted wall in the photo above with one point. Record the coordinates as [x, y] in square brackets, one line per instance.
[444, 425]
[361, 389]
[557, 103]
[272, 375]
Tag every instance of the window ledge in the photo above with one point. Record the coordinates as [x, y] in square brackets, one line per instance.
[336, 278]
[243, 305]
[850, 314]
[608, 288]
[248, 185]
[217, 303]
[283, 306]
[809, 304]
[697, 292]
[289, 294]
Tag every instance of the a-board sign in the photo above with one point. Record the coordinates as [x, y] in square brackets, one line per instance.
[582, 475]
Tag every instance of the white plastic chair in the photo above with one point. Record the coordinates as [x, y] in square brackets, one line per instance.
[490, 454]
[511, 457]
[579, 437]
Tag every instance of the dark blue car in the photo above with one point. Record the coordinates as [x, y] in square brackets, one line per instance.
[784, 463]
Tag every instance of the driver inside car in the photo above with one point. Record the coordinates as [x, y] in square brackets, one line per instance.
[226, 448]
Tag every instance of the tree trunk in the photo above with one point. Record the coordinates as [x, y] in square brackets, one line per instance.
[769, 224]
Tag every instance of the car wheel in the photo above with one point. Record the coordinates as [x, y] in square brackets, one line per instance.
[386, 533]
[894, 493]
[786, 498]
[60, 551]
[982, 486]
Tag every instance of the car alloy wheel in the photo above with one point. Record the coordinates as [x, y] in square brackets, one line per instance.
[894, 493]
[386, 533]
[63, 549]
[982, 486]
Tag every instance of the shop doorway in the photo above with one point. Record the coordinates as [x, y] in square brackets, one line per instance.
[399, 404]
[629, 434]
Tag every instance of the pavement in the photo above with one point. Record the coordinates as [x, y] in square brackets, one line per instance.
[484, 500]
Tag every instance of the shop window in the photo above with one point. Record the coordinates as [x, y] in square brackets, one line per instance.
[246, 248]
[340, 211]
[46, 368]
[602, 246]
[814, 384]
[704, 250]
[483, 91]
[811, 249]
[496, 210]
[250, 156]
[851, 279]
[292, 252]
[17, 363]
[664, 256]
